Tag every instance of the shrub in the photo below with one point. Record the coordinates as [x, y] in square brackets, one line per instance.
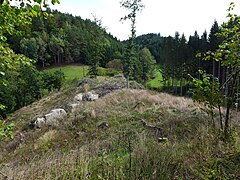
[108, 72]
[102, 71]
[115, 64]
[58, 79]
[22, 87]
[28, 86]
[53, 80]
[6, 130]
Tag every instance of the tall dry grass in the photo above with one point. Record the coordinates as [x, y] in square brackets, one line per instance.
[78, 149]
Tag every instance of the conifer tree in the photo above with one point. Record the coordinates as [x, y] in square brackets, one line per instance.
[131, 57]
[214, 42]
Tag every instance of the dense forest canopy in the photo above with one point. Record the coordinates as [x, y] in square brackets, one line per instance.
[63, 38]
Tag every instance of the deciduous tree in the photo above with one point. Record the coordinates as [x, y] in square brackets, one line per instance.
[12, 17]
[147, 62]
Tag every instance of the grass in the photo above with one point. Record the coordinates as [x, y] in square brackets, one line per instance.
[155, 83]
[71, 71]
[78, 71]
[79, 149]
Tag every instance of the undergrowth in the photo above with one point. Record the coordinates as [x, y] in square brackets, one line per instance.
[81, 149]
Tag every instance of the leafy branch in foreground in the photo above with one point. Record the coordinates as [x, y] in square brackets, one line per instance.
[228, 55]
[12, 17]
[19, 14]
[207, 90]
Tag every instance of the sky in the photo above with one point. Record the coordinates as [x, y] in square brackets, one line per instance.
[159, 16]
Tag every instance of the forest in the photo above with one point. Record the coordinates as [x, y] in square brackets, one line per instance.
[63, 39]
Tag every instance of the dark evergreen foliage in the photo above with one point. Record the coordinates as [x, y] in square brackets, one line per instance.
[177, 56]
[63, 38]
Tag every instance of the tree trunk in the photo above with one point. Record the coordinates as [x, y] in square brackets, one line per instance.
[213, 68]
[43, 64]
[220, 117]
[219, 71]
[230, 100]
[223, 79]
[181, 84]
[58, 58]
[226, 86]
[176, 86]
[172, 78]
[226, 127]
[127, 81]
[164, 83]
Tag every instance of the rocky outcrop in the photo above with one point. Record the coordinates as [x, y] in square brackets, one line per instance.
[87, 90]
[90, 96]
[85, 81]
[78, 97]
[108, 85]
[51, 119]
[39, 122]
[114, 83]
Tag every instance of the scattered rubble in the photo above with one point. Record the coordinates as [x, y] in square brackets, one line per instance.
[52, 118]
[78, 97]
[114, 83]
[162, 139]
[90, 96]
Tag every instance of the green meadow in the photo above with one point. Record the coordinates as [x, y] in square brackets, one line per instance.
[71, 71]
[156, 82]
[78, 71]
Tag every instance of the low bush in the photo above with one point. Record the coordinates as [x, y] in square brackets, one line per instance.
[26, 85]
[53, 80]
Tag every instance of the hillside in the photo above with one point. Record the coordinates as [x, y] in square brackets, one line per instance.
[105, 139]
[62, 39]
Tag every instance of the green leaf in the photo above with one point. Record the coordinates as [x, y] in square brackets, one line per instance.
[55, 2]
[3, 38]
[2, 73]
[2, 107]
[37, 8]
[22, 4]
[38, 1]
[198, 55]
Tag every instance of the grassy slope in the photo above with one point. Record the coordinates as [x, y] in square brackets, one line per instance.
[79, 149]
[76, 71]
[72, 71]
[156, 82]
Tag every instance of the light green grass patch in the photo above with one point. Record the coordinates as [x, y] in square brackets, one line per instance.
[72, 71]
[156, 82]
